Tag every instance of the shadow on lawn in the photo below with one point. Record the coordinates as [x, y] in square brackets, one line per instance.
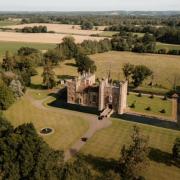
[99, 163]
[148, 120]
[162, 157]
[71, 64]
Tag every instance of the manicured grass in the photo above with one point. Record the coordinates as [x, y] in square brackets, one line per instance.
[108, 142]
[40, 94]
[156, 104]
[167, 46]
[14, 46]
[68, 126]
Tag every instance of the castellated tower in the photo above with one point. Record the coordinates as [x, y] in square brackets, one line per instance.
[123, 88]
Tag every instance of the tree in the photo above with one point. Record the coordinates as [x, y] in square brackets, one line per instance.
[24, 155]
[85, 64]
[128, 70]
[75, 170]
[134, 158]
[8, 62]
[87, 25]
[140, 73]
[67, 49]
[49, 77]
[176, 150]
[51, 56]
[16, 88]
[26, 51]
[6, 96]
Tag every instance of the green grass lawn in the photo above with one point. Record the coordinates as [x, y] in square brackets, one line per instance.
[68, 126]
[14, 46]
[108, 142]
[167, 46]
[156, 104]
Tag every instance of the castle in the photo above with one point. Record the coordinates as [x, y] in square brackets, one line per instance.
[84, 91]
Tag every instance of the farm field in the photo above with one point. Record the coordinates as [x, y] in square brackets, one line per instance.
[62, 28]
[67, 129]
[42, 37]
[14, 46]
[156, 104]
[9, 22]
[167, 46]
[106, 145]
[160, 64]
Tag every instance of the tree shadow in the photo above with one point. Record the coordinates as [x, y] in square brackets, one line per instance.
[65, 77]
[162, 157]
[36, 86]
[71, 64]
[100, 164]
[147, 120]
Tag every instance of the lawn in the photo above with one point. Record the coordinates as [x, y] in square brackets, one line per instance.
[167, 46]
[14, 46]
[156, 104]
[108, 142]
[68, 126]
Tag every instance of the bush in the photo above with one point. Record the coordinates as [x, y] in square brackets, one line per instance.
[165, 98]
[176, 150]
[6, 96]
[140, 95]
[163, 111]
[152, 96]
[148, 108]
[133, 105]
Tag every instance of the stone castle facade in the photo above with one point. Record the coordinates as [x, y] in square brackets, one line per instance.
[84, 91]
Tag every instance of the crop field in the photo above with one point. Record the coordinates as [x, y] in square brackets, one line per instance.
[9, 22]
[106, 145]
[62, 28]
[167, 46]
[42, 37]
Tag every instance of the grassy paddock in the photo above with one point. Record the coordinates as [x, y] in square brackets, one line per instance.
[167, 46]
[14, 46]
[156, 104]
[108, 142]
[160, 64]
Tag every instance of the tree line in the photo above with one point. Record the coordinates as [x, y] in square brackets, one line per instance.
[169, 35]
[34, 29]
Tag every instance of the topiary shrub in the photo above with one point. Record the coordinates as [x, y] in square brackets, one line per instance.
[163, 111]
[133, 105]
[165, 98]
[152, 96]
[148, 108]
